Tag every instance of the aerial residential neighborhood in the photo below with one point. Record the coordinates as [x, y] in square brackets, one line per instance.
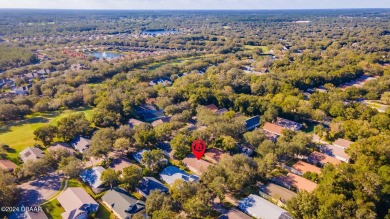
[194, 109]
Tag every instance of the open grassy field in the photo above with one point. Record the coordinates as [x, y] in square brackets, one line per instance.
[19, 135]
[264, 48]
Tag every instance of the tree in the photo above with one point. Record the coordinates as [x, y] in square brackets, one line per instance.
[181, 145]
[152, 158]
[73, 125]
[36, 168]
[255, 137]
[181, 190]
[102, 143]
[130, 177]
[225, 143]
[45, 134]
[71, 166]
[200, 204]
[145, 135]
[109, 176]
[156, 201]
[9, 192]
[122, 144]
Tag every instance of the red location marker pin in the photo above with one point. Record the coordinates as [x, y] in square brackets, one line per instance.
[198, 148]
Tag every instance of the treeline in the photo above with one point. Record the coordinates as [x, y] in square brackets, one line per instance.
[12, 57]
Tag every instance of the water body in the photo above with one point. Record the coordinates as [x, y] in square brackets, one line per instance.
[106, 55]
[159, 32]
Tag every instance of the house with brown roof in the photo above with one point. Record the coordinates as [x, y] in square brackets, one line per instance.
[195, 165]
[234, 213]
[294, 181]
[7, 165]
[342, 143]
[278, 194]
[214, 155]
[31, 153]
[273, 128]
[288, 124]
[321, 159]
[212, 107]
[301, 168]
[61, 146]
[77, 203]
[134, 123]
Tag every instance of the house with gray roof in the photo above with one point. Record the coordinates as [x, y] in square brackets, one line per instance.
[260, 208]
[172, 173]
[92, 178]
[77, 203]
[81, 144]
[278, 194]
[31, 153]
[38, 213]
[122, 204]
[234, 214]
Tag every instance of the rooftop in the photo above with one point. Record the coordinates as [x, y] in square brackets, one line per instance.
[198, 166]
[61, 146]
[304, 167]
[7, 165]
[31, 153]
[92, 176]
[234, 214]
[273, 128]
[320, 158]
[277, 192]
[293, 180]
[342, 143]
[122, 203]
[212, 107]
[295, 126]
[148, 184]
[259, 207]
[172, 173]
[214, 155]
[336, 152]
[74, 199]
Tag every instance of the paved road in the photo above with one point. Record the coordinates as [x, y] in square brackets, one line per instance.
[37, 191]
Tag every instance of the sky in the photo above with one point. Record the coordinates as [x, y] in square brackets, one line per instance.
[194, 4]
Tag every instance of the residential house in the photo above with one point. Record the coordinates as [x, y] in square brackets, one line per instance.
[122, 204]
[337, 149]
[38, 214]
[148, 184]
[153, 115]
[134, 123]
[215, 155]
[61, 146]
[92, 178]
[7, 165]
[276, 193]
[212, 107]
[260, 208]
[301, 168]
[294, 181]
[273, 129]
[163, 120]
[139, 155]
[288, 124]
[252, 123]
[247, 151]
[195, 165]
[234, 213]
[31, 153]
[172, 173]
[321, 159]
[119, 164]
[166, 148]
[77, 203]
[342, 143]
[80, 143]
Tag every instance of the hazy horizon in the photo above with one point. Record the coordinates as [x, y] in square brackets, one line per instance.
[193, 4]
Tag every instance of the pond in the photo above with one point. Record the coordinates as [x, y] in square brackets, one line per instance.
[106, 55]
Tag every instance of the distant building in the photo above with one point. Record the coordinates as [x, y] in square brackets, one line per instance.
[321, 159]
[221, 111]
[31, 153]
[172, 173]
[122, 204]
[252, 123]
[294, 181]
[92, 178]
[77, 203]
[120, 163]
[148, 184]
[234, 214]
[278, 194]
[212, 107]
[195, 165]
[288, 124]
[149, 113]
[215, 155]
[81, 144]
[7, 165]
[260, 208]
[163, 120]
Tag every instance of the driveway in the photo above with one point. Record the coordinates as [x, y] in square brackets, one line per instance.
[37, 191]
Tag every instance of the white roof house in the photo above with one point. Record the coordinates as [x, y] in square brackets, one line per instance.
[31, 153]
[260, 208]
[172, 173]
[92, 178]
[77, 203]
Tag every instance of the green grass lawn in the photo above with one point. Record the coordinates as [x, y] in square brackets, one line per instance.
[264, 48]
[19, 135]
[53, 209]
